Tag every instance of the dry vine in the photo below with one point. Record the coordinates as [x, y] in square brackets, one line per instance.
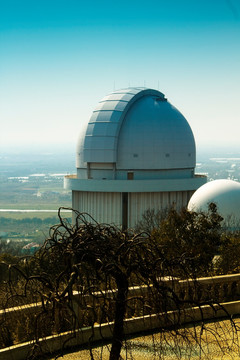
[116, 275]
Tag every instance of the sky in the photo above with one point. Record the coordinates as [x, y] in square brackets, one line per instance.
[58, 58]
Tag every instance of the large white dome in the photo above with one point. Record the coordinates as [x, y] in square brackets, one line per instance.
[137, 152]
[137, 129]
[224, 193]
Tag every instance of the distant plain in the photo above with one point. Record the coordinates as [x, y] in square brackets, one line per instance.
[34, 181]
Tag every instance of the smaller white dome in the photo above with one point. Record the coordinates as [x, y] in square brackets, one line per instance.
[224, 193]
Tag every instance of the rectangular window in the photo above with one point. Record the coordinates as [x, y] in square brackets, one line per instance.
[130, 175]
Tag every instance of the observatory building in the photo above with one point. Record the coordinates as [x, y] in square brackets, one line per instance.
[225, 194]
[137, 152]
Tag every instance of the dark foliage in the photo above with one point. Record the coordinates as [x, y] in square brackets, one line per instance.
[101, 263]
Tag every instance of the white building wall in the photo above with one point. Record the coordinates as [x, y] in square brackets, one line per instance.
[106, 207]
[138, 203]
[103, 207]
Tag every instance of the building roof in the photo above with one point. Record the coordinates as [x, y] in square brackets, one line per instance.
[137, 128]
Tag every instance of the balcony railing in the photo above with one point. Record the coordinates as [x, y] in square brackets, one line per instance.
[142, 314]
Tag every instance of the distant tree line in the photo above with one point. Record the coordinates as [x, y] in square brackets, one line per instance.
[4, 221]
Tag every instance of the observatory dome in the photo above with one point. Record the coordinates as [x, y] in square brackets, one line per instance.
[224, 193]
[136, 153]
[137, 129]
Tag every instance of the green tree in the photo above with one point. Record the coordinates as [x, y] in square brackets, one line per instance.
[228, 260]
[196, 236]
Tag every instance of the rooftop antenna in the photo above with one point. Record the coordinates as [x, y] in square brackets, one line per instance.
[144, 84]
[114, 85]
[158, 84]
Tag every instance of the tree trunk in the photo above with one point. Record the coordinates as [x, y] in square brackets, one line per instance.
[120, 308]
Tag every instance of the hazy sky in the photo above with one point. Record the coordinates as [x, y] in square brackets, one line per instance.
[59, 58]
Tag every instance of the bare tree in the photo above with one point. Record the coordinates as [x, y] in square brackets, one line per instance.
[103, 263]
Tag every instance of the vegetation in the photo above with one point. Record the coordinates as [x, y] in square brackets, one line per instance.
[228, 261]
[16, 235]
[102, 263]
[194, 236]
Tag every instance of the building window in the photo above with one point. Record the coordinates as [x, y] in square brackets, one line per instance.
[130, 175]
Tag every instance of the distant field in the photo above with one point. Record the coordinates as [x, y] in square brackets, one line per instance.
[35, 205]
[37, 196]
[43, 205]
[31, 215]
[43, 193]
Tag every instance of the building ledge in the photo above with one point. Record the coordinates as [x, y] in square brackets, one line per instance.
[71, 182]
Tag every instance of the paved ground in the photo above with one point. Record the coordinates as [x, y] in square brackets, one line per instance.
[219, 340]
